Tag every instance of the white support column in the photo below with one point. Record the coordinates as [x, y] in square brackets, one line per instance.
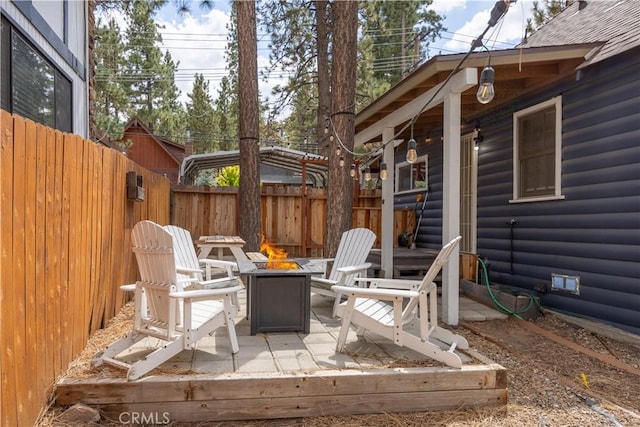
[386, 255]
[451, 206]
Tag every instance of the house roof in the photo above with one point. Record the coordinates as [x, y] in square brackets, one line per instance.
[545, 58]
[615, 24]
[174, 150]
[283, 158]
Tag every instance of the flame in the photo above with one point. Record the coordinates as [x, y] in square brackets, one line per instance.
[277, 257]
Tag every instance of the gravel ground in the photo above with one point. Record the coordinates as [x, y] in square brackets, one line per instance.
[594, 382]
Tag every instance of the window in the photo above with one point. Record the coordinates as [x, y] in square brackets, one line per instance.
[537, 149]
[411, 177]
[32, 86]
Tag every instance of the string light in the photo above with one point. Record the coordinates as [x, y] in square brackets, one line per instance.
[383, 171]
[412, 154]
[499, 10]
[341, 161]
[352, 172]
[338, 151]
[485, 88]
[367, 173]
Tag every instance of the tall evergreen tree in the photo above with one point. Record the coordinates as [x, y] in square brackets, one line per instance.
[111, 97]
[152, 90]
[248, 131]
[226, 116]
[200, 116]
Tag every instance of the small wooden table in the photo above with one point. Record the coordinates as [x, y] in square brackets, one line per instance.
[233, 243]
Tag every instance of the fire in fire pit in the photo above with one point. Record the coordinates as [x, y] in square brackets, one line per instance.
[277, 258]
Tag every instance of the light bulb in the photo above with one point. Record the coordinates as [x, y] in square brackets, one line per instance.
[326, 130]
[485, 90]
[331, 137]
[338, 151]
[383, 171]
[412, 154]
[367, 173]
[341, 161]
[352, 172]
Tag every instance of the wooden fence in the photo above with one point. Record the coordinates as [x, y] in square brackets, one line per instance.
[65, 225]
[292, 219]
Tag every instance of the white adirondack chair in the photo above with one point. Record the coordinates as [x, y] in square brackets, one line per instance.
[348, 264]
[190, 267]
[163, 309]
[379, 308]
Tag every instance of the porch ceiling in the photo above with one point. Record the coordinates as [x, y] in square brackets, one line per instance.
[517, 72]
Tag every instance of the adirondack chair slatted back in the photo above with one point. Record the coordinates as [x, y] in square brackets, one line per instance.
[153, 247]
[184, 251]
[441, 259]
[354, 247]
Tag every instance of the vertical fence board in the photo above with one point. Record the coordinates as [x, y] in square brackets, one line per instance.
[31, 315]
[67, 331]
[9, 401]
[60, 278]
[19, 274]
[42, 368]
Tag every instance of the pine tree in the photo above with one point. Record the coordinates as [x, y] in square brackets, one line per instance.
[150, 73]
[200, 116]
[111, 96]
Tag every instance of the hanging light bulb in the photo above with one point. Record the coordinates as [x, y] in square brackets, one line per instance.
[326, 129]
[352, 172]
[412, 154]
[338, 151]
[383, 171]
[367, 174]
[341, 161]
[485, 90]
[331, 137]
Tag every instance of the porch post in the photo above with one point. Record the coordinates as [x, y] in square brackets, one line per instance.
[451, 205]
[387, 228]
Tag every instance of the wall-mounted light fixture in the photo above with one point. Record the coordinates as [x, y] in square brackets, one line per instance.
[135, 187]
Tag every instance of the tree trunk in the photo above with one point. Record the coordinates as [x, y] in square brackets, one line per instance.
[324, 82]
[343, 90]
[250, 210]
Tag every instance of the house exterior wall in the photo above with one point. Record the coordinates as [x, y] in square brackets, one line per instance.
[146, 152]
[594, 232]
[58, 29]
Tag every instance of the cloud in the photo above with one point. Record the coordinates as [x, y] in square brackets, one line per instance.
[444, 6]
[505, 34]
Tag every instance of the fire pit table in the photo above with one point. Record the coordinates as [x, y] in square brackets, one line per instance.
[278, 300]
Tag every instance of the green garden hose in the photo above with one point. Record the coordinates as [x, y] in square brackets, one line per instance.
[532, 298]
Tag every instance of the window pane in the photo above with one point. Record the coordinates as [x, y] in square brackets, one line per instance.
[63, 103]
[536, 152]
[5, 60]
[33, 83]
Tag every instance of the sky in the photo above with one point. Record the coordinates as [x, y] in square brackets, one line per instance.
[197, 40]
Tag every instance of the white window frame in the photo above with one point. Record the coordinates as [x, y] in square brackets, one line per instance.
[555, 102]
[422, 160]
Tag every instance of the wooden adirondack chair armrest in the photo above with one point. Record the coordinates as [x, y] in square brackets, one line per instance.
[228, 266]
[187, 270]
[374, 282]
[130, 287]
[218, 263]
[205, 293]
[323, 262]
[382, 294]
[352, 270]
[322, 280]
[222, 282]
